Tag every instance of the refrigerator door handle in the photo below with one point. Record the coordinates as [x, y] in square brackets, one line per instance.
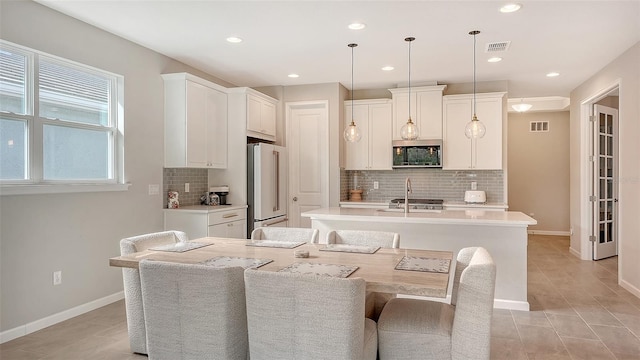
[276, 156]
[276, 222]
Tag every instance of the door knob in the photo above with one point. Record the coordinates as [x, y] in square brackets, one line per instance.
[295, 198]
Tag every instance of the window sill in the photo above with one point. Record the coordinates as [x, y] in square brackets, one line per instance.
[60, 188]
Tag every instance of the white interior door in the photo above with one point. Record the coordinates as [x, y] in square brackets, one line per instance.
[605, 186]
[308, 143]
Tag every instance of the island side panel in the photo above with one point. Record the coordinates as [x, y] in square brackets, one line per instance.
[506, 244]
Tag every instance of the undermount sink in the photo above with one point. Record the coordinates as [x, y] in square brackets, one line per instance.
[410, 211]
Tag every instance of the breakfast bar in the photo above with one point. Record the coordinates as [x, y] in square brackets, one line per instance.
[502, 233]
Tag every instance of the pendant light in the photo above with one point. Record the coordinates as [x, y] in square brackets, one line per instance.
[474, 129]
[352, 132]
[409, 131]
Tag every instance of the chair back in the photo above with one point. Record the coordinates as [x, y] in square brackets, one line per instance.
[194, 311]
[294, 316]
[360, 237]
[131, 280]
[473, 295]
[285, 234]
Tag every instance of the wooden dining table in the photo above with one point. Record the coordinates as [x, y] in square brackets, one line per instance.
[377, 269]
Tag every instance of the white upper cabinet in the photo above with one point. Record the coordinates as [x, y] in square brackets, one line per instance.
[426, 110]
[261, 115]
[373, 151]
[462, 153]
[195, 122]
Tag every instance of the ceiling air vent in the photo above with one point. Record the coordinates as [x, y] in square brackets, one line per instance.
[539, 126]
[497, 46]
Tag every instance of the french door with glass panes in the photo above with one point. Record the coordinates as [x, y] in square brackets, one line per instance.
[605, 182]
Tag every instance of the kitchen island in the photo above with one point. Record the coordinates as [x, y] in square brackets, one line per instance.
[502, 233]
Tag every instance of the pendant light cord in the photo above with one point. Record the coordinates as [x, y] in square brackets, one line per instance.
[352, 82]
[474, 72]
[410, 78]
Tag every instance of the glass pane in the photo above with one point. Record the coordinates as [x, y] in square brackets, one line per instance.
[601, 237]
[603, 143]
[603, 164]
[13, 89]
[13, 149]
[602, 123]
[609, 232]
[609, 188]
[610, 124]
[610, 167]
[71, 153]
[603, 188]
[72, 94]
[602, 211]
[609, 145]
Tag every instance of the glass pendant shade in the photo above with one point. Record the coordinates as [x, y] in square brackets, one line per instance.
[474, 128]
[409, 131]
[352, 133]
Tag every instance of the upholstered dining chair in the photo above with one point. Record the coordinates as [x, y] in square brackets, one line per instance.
[318, 318]
[131, 279]
[285, 234]
[364, 237]
[421, 329]
[374, 301]
[194, 311]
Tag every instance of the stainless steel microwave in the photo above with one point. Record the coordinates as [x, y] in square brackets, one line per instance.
[417, 153]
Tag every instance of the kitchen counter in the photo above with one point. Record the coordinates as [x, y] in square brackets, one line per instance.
[502, 233]
[446, 204]
[451, 217]
[206, 208]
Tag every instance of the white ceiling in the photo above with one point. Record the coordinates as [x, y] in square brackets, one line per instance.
[574, 38]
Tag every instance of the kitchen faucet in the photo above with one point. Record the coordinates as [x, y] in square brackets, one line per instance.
[407, 190]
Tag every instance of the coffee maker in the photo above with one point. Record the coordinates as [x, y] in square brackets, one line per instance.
[222, 191]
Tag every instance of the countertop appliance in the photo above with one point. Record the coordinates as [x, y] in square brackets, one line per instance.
[427, 204]
[475, 197]
[266, 186]
[222, 192]
[417, 154]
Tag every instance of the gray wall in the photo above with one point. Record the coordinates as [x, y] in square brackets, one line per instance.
[624, 71]
[77, 233]
[539, 169]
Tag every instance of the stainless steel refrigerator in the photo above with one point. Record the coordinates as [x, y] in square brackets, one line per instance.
[266, 186]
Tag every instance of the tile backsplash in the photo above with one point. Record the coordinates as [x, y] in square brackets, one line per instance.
[173, 179]
[448, 185]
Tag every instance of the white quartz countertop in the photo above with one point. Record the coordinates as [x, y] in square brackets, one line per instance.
[458, 204]
[207, 208]
[458, 217]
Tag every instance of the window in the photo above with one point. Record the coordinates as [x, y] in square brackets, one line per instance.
[60, 122]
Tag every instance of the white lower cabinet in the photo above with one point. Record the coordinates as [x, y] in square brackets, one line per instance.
[202, 221]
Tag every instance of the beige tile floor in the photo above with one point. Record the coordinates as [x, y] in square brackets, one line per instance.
[577, 312]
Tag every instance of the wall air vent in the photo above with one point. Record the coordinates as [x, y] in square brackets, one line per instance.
[497, 46]
[538, 126]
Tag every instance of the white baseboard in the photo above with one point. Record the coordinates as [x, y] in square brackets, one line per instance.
[549, 232]
[34, 326]
[497, 303]
[575, 253]
[632, 289]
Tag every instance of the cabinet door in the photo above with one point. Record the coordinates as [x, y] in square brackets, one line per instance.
[196, 123]
[488, 149]
[217, 129]
[380, 149]
[401, 112]
[429, 114]
[456, 146]
[268, 118]
[357, 154]
[254, 108]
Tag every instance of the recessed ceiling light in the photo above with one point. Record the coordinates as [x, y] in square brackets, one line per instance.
[494, 59]
[233, 39]
[293, 75]
[357, 26]
[553, 74]
[509, 8]
[388, 68]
